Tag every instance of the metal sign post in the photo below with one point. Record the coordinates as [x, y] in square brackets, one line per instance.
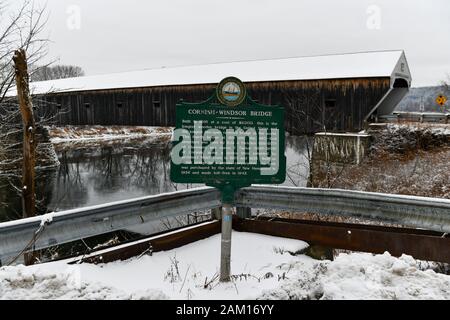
[228, 141]
[225, 244]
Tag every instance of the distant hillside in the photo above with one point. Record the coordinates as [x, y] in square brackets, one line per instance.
[412, 101]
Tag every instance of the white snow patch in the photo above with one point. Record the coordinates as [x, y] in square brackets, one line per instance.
[93, 133]
[36, 283]
[179, 274]
[46, 218]
[336, 66]
[367, 276]
[363, 276]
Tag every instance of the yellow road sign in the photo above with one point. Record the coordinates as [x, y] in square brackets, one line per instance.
[441, 99]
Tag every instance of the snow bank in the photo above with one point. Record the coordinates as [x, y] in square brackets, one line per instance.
[434, 128]
[367, 276]
[363, 276]
[188, 272]
[191, 272]
[36, 283]
[263, 267]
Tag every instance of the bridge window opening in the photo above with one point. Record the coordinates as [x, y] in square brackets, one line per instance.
[400, 83]
[87, 105]
[119, 105]
[156, 99]
[330, 103]
[58, 106]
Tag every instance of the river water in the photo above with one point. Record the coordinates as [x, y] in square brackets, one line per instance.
[103, 171]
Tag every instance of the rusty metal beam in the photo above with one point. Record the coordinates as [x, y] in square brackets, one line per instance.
[421, 244]
[163, 242]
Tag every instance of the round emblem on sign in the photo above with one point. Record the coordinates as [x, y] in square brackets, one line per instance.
[231, 91]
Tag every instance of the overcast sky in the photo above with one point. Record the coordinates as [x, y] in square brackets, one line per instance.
[104, 36]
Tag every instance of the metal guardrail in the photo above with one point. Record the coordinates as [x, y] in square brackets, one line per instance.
[419, 212]
[66, 226]
[432, 117]
[86, 222]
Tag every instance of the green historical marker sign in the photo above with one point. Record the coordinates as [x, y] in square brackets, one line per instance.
[228, 139]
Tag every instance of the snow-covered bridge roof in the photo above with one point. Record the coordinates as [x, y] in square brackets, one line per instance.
[351, 65]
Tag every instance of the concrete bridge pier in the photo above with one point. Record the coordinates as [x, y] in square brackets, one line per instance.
[333, 151]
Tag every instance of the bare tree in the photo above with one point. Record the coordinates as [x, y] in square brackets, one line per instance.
[29, 133]
[43, 73]
[308, 110]
[19, 33]
[446, 83]
[29, 138]
[21, 30]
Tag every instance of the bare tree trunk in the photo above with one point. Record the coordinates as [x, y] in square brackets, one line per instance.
[29, 142]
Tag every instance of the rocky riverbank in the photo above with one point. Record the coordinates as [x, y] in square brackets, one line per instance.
[405, 158]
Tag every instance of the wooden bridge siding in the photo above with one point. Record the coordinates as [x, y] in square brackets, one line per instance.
[347, 115]
[354, 99]
[361, 103]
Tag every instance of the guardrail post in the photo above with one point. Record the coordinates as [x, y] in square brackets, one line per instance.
[216, 213]
[225, 252]
[228, 192]
[244, 212]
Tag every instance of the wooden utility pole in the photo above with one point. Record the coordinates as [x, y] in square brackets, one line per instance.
[29, 142]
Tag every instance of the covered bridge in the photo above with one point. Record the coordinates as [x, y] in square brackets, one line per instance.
[338, 92]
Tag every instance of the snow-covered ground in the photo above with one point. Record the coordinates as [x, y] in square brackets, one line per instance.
[435, 128]
[262, 267]
[96, 132]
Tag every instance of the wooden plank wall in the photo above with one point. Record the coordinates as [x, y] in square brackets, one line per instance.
[305, 103]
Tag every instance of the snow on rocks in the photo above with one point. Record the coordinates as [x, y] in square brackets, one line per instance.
[405, 158]
[404, 137]
[434, 128]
